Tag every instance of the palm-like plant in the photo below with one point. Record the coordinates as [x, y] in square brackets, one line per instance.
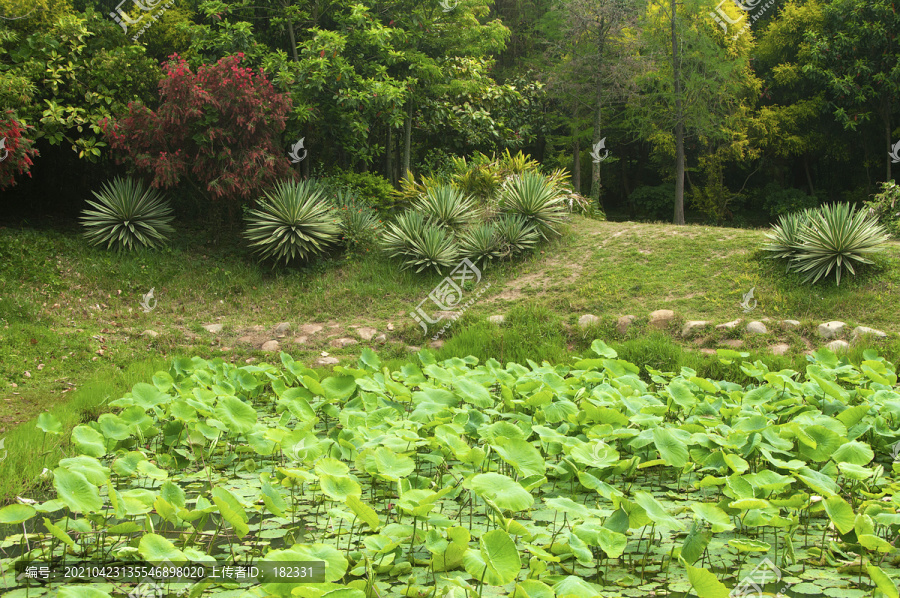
[785, 235]
[835, 237]
[358, 221]
[294, 220]
[447, 206]
[515, 235]
[480, 243]
[127, 215]
[534, 197]
[416, 243]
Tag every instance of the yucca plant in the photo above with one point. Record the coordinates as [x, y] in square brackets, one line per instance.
[295, 220]
[835, 237]
[534, 197]
[447, 206]
[515, 235]
[127, 215]
[358, 221]
[481, 244]
[785, 235]
[416, 243]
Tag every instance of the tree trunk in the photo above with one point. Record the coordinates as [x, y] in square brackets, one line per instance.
[595, 170]
[809, 181]
[679, 128]
[293, 38]
[407, 139]
[576, 153]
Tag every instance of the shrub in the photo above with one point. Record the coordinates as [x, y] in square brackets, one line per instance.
[777, 200]
[515, 235]
[295, 220]
[814, 242]
[481, 244]
[446, 206]
[534, 197]
[16, 150]
[885, 206]
[835, 237]
[358, 221]
[653, 202]
[371, 188]
[416, 243]
[128, 216]
[221, 127]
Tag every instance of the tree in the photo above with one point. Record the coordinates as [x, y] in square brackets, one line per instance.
[218, 128]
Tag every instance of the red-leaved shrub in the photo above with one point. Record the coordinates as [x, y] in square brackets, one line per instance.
[16, 151]
[220, 126]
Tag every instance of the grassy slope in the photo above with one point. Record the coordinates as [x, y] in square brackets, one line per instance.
[67, 310]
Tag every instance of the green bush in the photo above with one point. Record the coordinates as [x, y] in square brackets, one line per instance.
[447, 207]
[373, 189]
[653, 202]
[359, 222]
[128, 216]
[885, 206]
[481, 243]
[777, 200]
[832, 237]
[515, 235]
[419, 244]
[537, 199]
[295, 220]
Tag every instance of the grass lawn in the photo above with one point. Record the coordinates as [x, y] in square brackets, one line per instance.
[71, 322]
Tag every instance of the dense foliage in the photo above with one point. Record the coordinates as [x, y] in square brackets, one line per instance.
[460, 478]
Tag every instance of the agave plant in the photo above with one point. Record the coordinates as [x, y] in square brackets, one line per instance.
[480, 244]
[515, 235]
[835, 237]
[534, 197]
[447, 206]
[785, 235]
[358, 221]
[416, 243]
[127, 215]
[294, 220]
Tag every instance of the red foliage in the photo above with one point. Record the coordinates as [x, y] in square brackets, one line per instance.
[17, 151]
[222, 126]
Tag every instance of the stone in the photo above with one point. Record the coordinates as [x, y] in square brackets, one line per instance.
[838, 346]
[692, 327]
[757, 328]
[413, 348]
[213, 328]
[623, 323]
[390, 326]
[150, 333]
[436, 344]
[729, 325]
[310, 329]
[282, 329]
[324, 361]
[733, 343]
[366, 333]
[779, 348]
[588, 320]
[301, 340]
[250, 360]
[791, 323]
[381, 339]
[272, 345]
[831, 329]
[864, 331]
[661, 318]
[342, 342]
[498, 319]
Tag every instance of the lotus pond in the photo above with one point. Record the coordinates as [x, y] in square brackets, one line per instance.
[460, 478]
